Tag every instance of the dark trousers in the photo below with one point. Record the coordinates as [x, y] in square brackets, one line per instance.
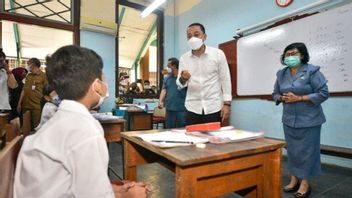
[193, 118]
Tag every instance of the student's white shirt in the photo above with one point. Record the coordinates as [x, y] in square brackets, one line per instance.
[48, 111]
[210, 82]
[67, 157]
[4, 91]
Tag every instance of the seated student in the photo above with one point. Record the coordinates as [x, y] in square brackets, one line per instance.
[68, 156]
[50, 103]
[147, 88]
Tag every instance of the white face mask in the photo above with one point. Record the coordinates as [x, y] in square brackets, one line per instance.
[195, 43]
[169, 70]
[101, 98]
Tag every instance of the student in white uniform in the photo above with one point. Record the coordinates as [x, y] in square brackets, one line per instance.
[68, 156]
[50, 103]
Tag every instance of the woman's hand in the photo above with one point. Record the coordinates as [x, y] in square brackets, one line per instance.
[291, 97]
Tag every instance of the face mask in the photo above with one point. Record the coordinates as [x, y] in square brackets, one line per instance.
[146, 86]
[28, 69]
[169, 70]
[101, 98]
[195, 43]
[56, 100]
[292, 61]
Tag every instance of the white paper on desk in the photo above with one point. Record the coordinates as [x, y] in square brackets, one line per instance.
[234, 135]
[105, 117]
[171, 136]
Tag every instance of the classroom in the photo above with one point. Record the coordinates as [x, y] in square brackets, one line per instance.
[176, 98]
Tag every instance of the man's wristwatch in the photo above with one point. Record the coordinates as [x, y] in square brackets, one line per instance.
[227, 104]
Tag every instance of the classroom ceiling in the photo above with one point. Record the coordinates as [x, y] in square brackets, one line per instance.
[134, 30]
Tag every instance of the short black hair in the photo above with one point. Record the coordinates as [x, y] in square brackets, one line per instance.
[47, 89]
[2, 54]
[200, 25]
[72, 69]
[174, 61]
[301, 47]
[34, 61]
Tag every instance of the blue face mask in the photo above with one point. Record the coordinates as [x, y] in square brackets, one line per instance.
[56, 100]
[292, 61]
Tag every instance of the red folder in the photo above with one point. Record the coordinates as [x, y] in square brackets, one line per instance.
[212, 126]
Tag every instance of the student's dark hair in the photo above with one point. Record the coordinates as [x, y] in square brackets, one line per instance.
[200, 25]
[146, 81]
[72, 69]
[34, 61]
[301, 47]
[174, 61]
[47, 89]
[2, 54]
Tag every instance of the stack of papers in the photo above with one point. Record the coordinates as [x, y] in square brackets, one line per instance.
[105, 116]
[171, 139]
[232, 135]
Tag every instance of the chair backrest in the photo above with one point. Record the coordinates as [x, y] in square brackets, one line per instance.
[159, 112]
[12, 129]
[3, 121]
[8, 158]
[26, 126]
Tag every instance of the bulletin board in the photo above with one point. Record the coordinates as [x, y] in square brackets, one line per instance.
[327, 36]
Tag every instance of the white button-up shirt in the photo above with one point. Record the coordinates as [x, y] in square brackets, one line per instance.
[67, 157]
[210, 82]
[4, 91]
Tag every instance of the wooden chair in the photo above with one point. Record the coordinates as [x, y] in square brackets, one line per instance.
[8, 158]
[26, 125]
[159, 116]
[12, 129]
[3, 121]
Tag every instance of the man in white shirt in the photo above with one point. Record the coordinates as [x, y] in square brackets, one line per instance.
[205, 72]
[7, 80]
[68, 156]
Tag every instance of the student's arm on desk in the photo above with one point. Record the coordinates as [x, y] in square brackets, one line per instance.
[130, 189]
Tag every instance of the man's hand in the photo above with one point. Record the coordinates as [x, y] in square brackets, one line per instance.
[160, 105]
[185, 76]
[19, 108]
[6, 67]
[225, 112]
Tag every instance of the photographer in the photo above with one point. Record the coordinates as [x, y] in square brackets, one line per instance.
[7, 80]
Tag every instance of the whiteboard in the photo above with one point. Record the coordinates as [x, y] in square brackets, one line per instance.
[328, 37]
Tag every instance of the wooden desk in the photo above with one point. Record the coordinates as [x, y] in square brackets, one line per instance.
[139, 120]
[4, 119]
[113, 129]
[250, 168]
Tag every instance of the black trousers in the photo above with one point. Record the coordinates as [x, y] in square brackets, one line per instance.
[193, 118]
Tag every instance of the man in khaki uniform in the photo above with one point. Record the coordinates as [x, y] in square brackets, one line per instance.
[32, 92]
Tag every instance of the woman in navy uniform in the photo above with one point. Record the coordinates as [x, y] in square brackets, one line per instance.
[301, 87]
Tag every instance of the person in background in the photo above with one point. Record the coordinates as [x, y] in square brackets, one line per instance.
[50, 103]
[71, 147]
[19, 74]
[147, 88]
[7, 80]
[205, 72]
[301, 88]
[32, 92]
[140, 85]
[173, 99]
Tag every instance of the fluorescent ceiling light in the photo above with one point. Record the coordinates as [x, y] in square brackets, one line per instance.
[152, 7]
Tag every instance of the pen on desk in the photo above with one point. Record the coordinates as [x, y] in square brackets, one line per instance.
[170, 141]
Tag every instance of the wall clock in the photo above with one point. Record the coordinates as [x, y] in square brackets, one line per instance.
[283, 3]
